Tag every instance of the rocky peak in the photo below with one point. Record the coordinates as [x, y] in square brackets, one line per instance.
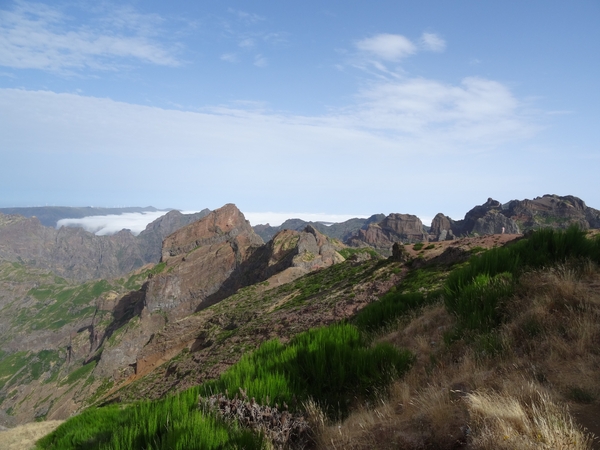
[553, 211]
[442, 228]
[219, 226]
[405, 228]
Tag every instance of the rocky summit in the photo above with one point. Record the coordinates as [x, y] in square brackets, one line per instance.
[517, 216]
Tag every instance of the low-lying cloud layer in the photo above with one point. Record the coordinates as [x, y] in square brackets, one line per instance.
[137, 222]
[113, 223]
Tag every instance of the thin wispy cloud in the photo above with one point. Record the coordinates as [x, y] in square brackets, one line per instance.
[230, 57]
[478, 111]
[389, 47]
[37, 36]
[260, 61]
[432, 42]
[247, 43]
[246, 17]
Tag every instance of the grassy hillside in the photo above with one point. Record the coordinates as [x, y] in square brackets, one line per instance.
[486, 355]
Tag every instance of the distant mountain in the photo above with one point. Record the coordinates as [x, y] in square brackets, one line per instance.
[517, 216]
[76, 254]
[50, 215]
[341, 231]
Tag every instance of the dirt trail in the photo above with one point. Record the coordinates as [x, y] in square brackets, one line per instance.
[23, 437]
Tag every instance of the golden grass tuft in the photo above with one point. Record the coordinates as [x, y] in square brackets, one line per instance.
[457, 396]
[534, 421]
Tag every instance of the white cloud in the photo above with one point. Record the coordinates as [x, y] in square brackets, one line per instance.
[366, 154]
[247, 43]
[390, 47]
[229, 57]
[246, 17]
[478, 111]
[113, 223]
[260, 61]
[37, 36]
[432, 42]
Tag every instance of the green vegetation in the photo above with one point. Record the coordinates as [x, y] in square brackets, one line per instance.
[317, 283]
[348, 252]
[10, 365]
[82, 373]
[23, 367]
[331, 365]
[173, 423]
[418, 246]
[60, 304]
[387, 310]
[475, 292]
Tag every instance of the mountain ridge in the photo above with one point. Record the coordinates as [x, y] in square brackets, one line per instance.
[129, 332]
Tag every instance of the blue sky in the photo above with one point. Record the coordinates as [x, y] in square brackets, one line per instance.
[346, 108]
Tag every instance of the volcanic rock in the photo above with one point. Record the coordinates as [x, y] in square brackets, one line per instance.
[405, 228]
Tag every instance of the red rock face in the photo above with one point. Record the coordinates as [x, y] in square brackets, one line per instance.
[199, 258]
[403, 228]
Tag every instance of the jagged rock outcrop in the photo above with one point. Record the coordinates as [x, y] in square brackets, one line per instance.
[405, 228]
[308, 250]
[204, 263]
[516, 216]
[150, 240]
[341, 230]
[552, 211]
[488, 218]
[199, 258]
[442, 228]
[494, 222]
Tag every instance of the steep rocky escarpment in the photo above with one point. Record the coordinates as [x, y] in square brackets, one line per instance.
[405, 228]
[207, 262]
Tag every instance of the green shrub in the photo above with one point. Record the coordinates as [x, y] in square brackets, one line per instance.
[332, 365]
[418, 246]
[475, 292]
[385, 311]
[348, 252]
[172, 423]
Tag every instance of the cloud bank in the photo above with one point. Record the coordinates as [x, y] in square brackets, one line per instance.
[113, 223]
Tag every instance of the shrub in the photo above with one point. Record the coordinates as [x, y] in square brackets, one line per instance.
[332, 365]
[474, 292]
[172, 423]
[383, 312]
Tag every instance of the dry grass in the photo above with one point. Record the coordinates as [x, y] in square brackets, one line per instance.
[457, 396]
[529, 422]
[24, 437]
